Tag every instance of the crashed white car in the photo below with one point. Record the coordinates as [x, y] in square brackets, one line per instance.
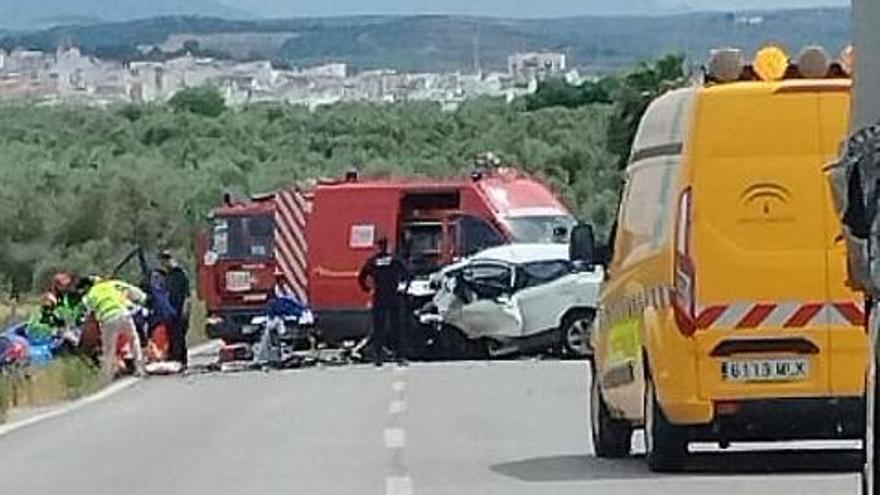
[519, 298]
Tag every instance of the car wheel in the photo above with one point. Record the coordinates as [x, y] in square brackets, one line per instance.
[611, 436]
[665, 443]
[576, 336]
[870, 475]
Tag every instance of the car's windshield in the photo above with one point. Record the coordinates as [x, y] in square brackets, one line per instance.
[541, 272]
[539, 229]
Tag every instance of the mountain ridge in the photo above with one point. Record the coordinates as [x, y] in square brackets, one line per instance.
[451, 43]
[19, 15]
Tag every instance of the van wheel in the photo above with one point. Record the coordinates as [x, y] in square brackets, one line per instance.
[611, 436]
[665, 443]
[576, 336]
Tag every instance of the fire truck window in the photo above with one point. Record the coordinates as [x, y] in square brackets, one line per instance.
[477, 235]
[220, 239]
[549, 228]
[244, 237]
[423, 246]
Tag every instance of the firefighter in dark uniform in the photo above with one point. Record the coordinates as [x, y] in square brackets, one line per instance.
[384, 274]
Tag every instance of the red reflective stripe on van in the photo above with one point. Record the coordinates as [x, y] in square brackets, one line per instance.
[756, 315]
[804, 315]
[709, 316]
[851, 312]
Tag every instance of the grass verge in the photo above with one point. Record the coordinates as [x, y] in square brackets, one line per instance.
[4, 398]
[67, 378]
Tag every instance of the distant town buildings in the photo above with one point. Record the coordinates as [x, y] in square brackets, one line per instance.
[70, 76]
[525, 67]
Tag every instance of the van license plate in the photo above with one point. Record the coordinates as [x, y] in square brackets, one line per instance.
[765, 370]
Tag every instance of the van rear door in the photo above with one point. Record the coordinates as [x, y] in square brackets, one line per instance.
[759, 207]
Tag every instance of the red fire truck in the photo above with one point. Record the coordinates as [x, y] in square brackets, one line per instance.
[315, 240]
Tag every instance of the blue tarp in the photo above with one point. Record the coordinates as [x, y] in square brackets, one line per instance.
[40, 351]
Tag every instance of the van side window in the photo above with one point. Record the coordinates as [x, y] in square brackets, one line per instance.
[644, 223]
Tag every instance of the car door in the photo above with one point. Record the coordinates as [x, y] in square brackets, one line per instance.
[491, 310]
[547, 289]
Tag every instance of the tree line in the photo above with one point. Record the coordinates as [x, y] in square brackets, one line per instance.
[81, 186]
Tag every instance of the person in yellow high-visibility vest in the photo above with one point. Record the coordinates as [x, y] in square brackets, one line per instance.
[111, 302]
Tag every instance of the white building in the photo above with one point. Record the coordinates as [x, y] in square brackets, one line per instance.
[524, 67]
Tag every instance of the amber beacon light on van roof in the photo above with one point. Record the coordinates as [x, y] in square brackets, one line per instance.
[772, 63]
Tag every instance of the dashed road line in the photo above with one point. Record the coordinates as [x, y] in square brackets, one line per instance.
[398, 485]
[397, 480]
[395, 438]
[397, 407]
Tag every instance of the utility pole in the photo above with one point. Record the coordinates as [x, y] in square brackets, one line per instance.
[866, 45]
[477, 68]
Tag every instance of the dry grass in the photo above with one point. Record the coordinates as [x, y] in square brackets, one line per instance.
[66, 378]
[16, 311]
[4, 398]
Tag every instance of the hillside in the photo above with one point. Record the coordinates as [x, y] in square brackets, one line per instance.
[18, 14]
[449, 43]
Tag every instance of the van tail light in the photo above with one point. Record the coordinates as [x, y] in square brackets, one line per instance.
[684, 278]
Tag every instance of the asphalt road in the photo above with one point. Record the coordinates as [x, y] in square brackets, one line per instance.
[458, 428]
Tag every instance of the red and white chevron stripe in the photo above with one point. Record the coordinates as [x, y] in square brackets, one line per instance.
[292, 209]
[784, 315]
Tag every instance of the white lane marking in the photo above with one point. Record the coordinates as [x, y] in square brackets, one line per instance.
[399, 386]
[397, 407]
[398, 485]
[398, 370]
[395, 438]
[112, 389]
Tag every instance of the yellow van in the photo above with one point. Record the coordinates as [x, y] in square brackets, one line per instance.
[726, 315]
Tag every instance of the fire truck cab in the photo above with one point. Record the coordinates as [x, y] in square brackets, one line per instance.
[315, 241]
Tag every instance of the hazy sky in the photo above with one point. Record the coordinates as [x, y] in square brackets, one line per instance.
[505, 8]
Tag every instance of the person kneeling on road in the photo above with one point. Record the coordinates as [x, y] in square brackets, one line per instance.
[110, 301]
